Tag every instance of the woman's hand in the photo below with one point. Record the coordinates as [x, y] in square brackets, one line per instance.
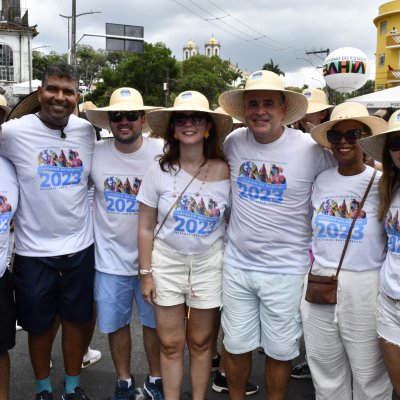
[148, 289]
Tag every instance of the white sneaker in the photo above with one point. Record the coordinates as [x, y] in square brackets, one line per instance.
[90, 357]
[17, 327]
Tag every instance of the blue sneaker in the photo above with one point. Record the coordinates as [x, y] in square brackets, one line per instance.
[154, 390]
[77, 395]
[44, 395]
[123, 392]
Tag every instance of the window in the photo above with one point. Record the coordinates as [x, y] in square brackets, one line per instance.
[208, 52]
[6, 63]
[383, 27]
[382, 60]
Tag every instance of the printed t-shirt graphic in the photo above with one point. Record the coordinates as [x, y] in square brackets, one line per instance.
[333, 221]
[256, 184]
[392, 227]
[121, 196]
[59, 168]
[5, 214]
[195, 218]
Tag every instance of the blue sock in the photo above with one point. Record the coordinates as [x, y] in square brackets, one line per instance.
[71, 382]
[43, 384]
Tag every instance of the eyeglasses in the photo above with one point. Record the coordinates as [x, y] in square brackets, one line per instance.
[394, 143]
[116, 116]
[181, 119]
[334, 137]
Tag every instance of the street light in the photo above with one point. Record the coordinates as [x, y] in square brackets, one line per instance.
[77, 15]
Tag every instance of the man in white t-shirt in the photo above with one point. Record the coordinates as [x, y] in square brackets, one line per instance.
[118, 167]
[53, 269]
[267, 255]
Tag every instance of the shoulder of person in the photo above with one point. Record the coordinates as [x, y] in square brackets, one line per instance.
[218, 169]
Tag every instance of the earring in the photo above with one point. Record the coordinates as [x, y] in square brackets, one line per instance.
[175, 137]
[206, 135]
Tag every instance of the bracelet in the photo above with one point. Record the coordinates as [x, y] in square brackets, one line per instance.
[145, 271]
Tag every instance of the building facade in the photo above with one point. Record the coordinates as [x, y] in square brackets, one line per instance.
[211, 48]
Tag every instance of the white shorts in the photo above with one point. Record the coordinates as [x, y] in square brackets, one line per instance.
[192, 279]
[388, 319]
[262, 309]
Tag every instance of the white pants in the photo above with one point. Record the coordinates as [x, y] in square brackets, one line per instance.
[341, 341]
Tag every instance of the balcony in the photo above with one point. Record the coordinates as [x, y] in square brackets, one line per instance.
[393, 75]
[393, 41]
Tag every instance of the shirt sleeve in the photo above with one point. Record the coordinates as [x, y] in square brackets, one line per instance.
[149, 192]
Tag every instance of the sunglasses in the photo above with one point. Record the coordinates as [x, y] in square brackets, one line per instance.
[182, 119]
[334, 137]
[394, 143]
[116, 116]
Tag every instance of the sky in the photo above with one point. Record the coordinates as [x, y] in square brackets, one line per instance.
[251, 32]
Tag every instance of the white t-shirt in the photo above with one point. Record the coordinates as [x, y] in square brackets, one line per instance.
[8, 205]
[270, 224]
[335, 200]
[53, 215]
[197, 221]
[117, 177]
[390, 272]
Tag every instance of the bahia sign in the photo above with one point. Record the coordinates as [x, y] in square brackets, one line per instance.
[346, 69]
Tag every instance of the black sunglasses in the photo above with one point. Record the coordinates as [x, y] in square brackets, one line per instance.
[116, 116]
[334, 137]
[181, 119]
[394, 143]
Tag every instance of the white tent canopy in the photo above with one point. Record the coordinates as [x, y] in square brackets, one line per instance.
[382, 99]
[22, 89]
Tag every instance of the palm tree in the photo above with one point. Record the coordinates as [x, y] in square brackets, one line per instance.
[270, 66]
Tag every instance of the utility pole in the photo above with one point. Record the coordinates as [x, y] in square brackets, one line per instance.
[73, 34]
[315, 52]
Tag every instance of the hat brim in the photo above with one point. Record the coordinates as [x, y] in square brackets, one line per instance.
[233, 103]
[29, 105]
[99, 116]
[317, 107]
[319, 132]
[159, 120]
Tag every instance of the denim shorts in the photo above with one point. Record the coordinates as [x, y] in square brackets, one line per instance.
[114, 295]
[388, 319]
[262, 309]
[191, 279]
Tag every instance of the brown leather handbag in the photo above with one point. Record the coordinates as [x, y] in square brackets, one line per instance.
[323, 289]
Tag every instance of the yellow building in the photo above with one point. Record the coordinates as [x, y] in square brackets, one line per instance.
[388, 45]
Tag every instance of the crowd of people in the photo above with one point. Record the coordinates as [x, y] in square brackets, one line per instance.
[203, 225]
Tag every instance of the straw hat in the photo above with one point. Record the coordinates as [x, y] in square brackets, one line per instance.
[188, 101]
[86, 105]
[347, 111]
[122, 99]
[233, 101]
[28, 105]
[317, 100]
[373, 145]
[221, 110]
[4, 106]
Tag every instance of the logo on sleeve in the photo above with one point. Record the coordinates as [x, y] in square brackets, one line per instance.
[392, 227]
[260, 186]
[121, 197]
[5, 214]
[59, 170]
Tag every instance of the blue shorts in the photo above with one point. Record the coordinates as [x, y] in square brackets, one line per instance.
[262, 309]
[50, 286]
[114, 296]
[7, 313]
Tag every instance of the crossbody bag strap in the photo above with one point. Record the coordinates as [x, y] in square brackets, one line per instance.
[177, 200]
[361, 205]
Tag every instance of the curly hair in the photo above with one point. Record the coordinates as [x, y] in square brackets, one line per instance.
[389, 181]
[212, 146]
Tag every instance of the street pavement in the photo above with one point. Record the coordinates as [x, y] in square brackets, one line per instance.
[98, 380]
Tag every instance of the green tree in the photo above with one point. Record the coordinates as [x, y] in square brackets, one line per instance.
[40, 62]
[89, 63]
[208, 75]
[270, 66]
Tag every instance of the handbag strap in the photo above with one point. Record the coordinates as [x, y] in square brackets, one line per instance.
[178, 198]
[361, 205]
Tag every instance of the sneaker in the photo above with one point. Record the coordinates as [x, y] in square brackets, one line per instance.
[215, 361]
[301, 371]
[220, 385]
[154, 390]
[44, 395]
[77, 395]
[90, 357]
[123, 392]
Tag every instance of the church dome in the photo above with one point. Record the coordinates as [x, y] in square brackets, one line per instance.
[212, 41]
[190, 45]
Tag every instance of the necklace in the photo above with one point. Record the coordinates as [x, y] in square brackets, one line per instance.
[197, 193]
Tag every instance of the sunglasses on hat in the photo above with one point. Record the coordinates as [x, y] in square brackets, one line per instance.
[394, 143]
[334, 137]
[116, 116]
[181, 119]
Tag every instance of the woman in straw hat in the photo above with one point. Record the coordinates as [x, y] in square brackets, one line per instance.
[342, 347]
[185, 198]
[385, 148]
